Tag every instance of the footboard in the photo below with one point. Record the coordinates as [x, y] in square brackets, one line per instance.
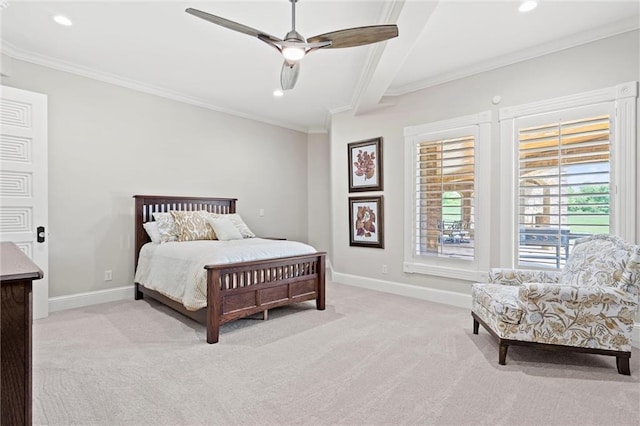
[241, 289]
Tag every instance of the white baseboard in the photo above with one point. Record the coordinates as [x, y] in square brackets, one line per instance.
[425, 293]
[79, 300]
[433, 295]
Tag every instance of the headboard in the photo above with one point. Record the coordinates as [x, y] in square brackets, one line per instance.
[146, 205]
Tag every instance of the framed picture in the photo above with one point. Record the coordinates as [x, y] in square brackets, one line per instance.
[366, 222]
[365, 165]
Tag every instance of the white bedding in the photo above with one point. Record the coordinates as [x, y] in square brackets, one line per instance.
[176, 269]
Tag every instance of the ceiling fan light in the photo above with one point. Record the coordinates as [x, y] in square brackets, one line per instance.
[292, 53]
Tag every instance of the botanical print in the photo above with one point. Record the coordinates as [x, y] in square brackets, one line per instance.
[365, 222]
[365, 164]
[364, 171]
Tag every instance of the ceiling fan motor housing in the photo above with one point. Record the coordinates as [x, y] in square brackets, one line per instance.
[293, 35]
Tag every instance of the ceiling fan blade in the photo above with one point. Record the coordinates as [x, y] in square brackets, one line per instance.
[234, 26]
[289, 75]
[359, 36]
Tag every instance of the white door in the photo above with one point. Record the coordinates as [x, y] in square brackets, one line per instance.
[23, 182]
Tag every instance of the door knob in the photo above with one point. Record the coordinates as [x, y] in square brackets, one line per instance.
[41, 234]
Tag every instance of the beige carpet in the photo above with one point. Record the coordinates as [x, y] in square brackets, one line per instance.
[370, 358]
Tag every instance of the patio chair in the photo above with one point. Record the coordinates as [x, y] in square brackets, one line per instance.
[589, 306]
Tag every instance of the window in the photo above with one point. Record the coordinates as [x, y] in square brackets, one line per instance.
[570, 158]
[443, 181]
[564, 186]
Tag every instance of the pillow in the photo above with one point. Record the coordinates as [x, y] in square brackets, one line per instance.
[153, 232]
[224, 229]
[166, 226]
[193, 225]
[237, 222]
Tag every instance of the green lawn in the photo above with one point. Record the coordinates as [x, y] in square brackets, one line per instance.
[576, 224]
[588, 224]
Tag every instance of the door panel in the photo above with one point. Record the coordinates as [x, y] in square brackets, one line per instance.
[23, 181]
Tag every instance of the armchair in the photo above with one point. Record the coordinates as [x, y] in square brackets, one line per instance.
[589, 306]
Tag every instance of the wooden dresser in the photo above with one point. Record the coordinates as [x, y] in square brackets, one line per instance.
[17, 272]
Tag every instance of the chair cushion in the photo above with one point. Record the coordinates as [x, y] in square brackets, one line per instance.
[500, 300]
[599, 260]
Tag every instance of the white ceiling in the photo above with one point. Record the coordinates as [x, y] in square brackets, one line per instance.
[156, 47]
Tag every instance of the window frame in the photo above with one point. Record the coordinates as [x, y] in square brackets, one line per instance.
[620, 100]
[479, 125]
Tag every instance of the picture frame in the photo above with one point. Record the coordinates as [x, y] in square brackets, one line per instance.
[365, 165]
[366, 221]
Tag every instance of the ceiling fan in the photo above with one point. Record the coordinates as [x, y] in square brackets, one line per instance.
[294, 46]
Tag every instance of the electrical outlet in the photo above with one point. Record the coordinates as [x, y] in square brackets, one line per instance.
[261, 212]
[108, 275]
[385, 270]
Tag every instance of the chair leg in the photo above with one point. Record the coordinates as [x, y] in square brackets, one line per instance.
[476, 325]
[502, 355]
[622, 362]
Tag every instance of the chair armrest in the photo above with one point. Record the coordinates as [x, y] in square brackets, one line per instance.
[571, 294]
[592, 317]
[519, 276]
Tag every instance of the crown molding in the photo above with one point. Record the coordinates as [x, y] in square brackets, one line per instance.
[317, 131]
[606, 31]
[57, 64]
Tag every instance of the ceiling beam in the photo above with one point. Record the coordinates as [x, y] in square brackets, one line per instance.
[386, 59]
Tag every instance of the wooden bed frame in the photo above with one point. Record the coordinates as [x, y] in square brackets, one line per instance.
[234, 290]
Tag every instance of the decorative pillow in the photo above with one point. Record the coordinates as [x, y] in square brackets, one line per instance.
[237, 222]
[193, 225]
[166, 226]
[153, 232]
[224, 229]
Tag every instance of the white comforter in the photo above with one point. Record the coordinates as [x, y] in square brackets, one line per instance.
[176, 269]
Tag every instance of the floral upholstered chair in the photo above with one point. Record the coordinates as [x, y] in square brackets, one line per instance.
[589, 306]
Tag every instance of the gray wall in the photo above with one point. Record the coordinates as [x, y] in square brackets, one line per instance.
[593, 66]
[107, 143]
[319, 192]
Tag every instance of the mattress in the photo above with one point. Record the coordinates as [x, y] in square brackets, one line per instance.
[176, 269]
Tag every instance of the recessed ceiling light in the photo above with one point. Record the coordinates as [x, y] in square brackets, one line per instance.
[528, 5]
[278, 93]
[63, 20]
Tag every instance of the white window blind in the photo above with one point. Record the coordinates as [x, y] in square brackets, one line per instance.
[445, 192]
[564, 187]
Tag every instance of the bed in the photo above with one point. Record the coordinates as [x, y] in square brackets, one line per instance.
[233, 290]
